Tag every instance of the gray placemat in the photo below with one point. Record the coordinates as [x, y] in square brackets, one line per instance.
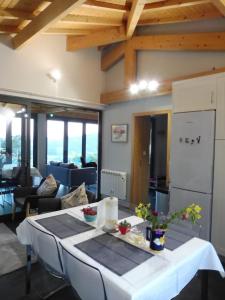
[114, 253]
[64, 225]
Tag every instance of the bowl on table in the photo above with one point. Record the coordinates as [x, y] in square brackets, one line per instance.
[90, 214]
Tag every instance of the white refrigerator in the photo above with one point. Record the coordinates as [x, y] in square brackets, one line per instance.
[191, 166]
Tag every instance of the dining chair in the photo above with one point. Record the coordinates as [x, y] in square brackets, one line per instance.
[85, 279]
[45, 247]
[27, 198]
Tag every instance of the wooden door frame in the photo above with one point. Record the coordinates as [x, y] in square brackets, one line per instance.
[150, 114]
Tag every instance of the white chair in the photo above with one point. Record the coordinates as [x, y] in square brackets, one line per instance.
[86, 280]
[44, 245]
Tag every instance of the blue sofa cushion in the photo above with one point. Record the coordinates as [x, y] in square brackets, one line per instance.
[68, 165]
[72, 177]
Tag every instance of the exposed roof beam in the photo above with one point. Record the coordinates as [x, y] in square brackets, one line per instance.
[106, 5]
[98, 38]
[195, 15]
[112, 56]
[68, 31]
[214, 41]
[11, 13]
[134, 15]
[165, 88]
[8, 29]
[220, 5]
[173, 4]
[54, 12]
[92, 20]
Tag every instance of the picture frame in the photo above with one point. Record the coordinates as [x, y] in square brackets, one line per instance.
[119, 133]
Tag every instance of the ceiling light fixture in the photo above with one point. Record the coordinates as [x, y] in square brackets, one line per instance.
[144, 85]
[54, 74]
[134, 89]
[153, 85]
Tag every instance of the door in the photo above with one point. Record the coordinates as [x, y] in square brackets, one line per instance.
[192, 151]
[140, 163]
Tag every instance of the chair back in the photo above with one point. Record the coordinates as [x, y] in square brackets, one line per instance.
[84, 278]
[46, 248]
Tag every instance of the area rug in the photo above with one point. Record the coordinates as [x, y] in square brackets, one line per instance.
[12, 253]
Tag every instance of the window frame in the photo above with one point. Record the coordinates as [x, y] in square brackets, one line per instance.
[66, 120]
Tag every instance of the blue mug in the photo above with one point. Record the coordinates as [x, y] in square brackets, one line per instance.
[156, 238]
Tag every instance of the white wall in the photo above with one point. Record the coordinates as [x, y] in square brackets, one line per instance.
[25, 69]
[117, 156]
[169, 64]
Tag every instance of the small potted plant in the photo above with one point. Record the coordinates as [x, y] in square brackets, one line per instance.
[90, 214]
[124, 227]
[159, 223]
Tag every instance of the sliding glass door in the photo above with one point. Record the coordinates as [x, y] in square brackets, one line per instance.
[55, 140]
[91, 152]
[68, 141]
[75, 136]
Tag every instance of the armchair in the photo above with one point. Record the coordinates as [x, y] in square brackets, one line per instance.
[26, 198]
[53, 204]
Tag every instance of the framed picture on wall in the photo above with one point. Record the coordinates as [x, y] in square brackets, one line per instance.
[119, 133]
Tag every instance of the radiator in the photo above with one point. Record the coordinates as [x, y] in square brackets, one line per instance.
[114, 183]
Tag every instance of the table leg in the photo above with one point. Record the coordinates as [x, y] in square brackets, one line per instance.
[28, 269]
[204, 285]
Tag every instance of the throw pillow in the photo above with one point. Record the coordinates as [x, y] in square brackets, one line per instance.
[47, 187]
[75, 198]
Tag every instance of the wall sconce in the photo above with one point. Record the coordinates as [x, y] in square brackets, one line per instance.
[54, 75]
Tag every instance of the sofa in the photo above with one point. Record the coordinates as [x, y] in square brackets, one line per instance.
[69, 175]
[54, 204]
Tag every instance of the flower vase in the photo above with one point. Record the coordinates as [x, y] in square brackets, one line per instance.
[156, 237]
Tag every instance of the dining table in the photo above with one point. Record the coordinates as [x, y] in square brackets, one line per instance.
[129, 268]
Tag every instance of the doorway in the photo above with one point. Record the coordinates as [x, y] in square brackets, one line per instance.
[150, 156]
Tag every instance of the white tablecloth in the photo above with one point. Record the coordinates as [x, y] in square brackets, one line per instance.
[161, 277]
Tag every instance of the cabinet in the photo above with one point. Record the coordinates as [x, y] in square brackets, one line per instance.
[194, 94]
[218, 209]
[220, 111]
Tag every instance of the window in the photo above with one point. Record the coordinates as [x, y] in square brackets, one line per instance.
[75, 133]
[55, 140]
[91, 142]
[16, 141]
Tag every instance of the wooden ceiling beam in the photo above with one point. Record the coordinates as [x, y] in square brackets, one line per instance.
[220, 5]
[109, 6]
[8, 29]
[196, 15]
[208, 41]
[53, 13]
[130, 64]
[98, 38]
[134, 15]
[167, 4]
[68, 31]
[92, 20]
[165, 88]
[11, 13]
[111, 57]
